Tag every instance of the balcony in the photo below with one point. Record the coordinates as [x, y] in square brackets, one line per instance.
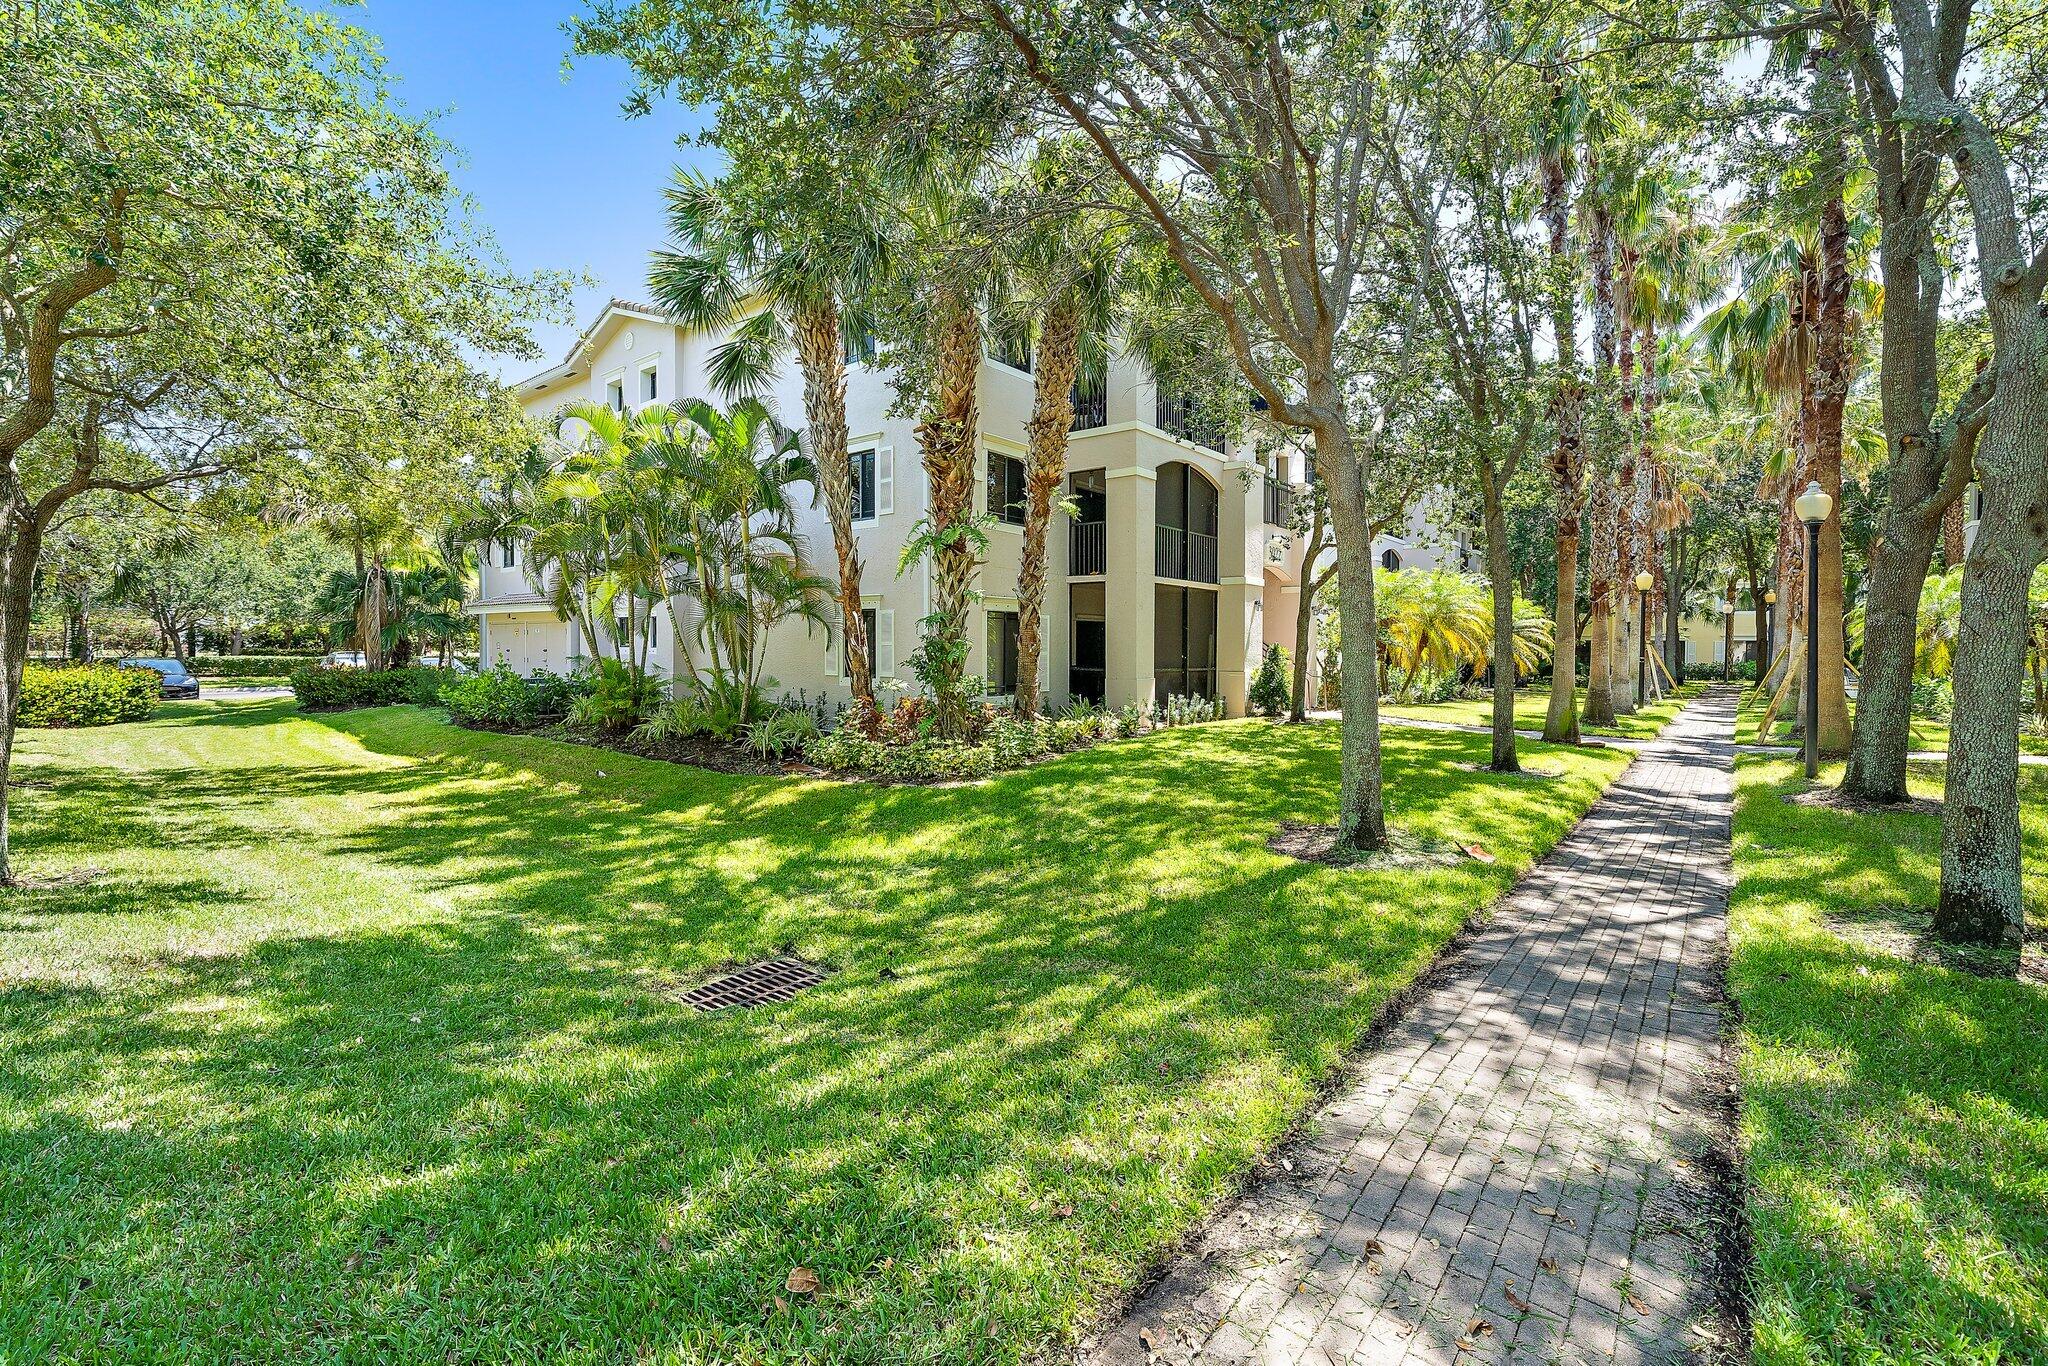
[1091, 403]
[1187, 555]
[1087, 548]
[1177, 415]
[1279, 503]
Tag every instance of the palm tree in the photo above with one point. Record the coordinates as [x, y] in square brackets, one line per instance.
[1601, 499]
[1064, 275]
[811, 258]
[1432, 622]
[1560, 131]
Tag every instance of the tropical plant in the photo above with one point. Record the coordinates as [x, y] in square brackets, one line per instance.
[1268, 694]
[810, 254]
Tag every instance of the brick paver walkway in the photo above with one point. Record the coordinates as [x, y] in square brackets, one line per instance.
[1508, 1177]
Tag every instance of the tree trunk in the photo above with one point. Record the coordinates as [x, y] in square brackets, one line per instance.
[1500, 577]
[821, 355]
[1830, 395]
[17, 596]
[1052, 420]
[1305, 625]
[947, 438]
[1600, 500]
[1952, 535]
[1567, 461]
[1981, 894]
[1925, 496]
[1361, 811]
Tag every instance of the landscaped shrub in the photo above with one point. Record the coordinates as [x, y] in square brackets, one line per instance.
[619, 696]
[1707, 671]
[782, 733]
[1189, 711]
[324, 689]
[499, 699]
[924, 760]
[1269, 690]
[1933, 698]
[87, 694]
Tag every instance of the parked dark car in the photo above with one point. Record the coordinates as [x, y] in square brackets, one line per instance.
[178, 681]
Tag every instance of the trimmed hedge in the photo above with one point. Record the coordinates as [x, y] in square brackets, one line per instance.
[87, 694]
[258, 662]
[498, 699]
[323, 689]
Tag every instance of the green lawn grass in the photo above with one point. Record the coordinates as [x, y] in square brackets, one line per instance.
[1533, 703]
[244, 681]
[1895, 1112]
[1928, 735]
[365, 1043]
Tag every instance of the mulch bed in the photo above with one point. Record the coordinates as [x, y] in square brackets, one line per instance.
[1318, 844]
[1834, 799]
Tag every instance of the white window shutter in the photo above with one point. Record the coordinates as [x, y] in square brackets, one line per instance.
[885, 642]
[885, 481]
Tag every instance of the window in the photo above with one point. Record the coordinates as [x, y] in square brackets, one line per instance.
[508, 554]
[615, 395]
[1002, 654]
[863, 463]
[1013, 348]
[860, 347]
[649, 384]
[1389, 560]
[1006, 494]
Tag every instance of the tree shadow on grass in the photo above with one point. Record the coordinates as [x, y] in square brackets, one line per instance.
[1897, 1110]
[489, 1132]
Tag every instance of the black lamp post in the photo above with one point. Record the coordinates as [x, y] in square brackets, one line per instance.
[1643, 584]
[1813, 507]
[1763, 638]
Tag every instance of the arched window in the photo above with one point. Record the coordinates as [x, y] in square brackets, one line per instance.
[1390, 559]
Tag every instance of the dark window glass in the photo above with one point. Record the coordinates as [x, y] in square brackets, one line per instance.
[1002, 653]
[1006, 495]
[648, 385]
[1014, 350]
[615, 396]
[863, 483]
[860, 347]
[1389, 560]
[507, 553]
[870, 624]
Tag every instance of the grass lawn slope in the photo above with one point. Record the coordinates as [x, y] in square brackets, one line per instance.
[366, 1043]
[1533, 703]
[1895, 1105]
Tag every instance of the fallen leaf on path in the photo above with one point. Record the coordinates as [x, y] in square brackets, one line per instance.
[1637, 1304]
[1548, 1264]
[1521, 1305]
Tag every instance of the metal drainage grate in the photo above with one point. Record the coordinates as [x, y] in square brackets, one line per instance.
[757, 984]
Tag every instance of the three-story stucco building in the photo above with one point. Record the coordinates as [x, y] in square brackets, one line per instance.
[1174, 575]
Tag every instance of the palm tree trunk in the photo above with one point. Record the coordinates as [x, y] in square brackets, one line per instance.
[947, 439]
[1624, 624]
[1567, 462]
[1052, 418]
[821, 355]
[1600, 502]
[1830, 395]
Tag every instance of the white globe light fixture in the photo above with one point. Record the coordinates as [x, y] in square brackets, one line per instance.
[1814, 505]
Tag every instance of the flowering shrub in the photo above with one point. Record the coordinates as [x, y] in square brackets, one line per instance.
[87, 694]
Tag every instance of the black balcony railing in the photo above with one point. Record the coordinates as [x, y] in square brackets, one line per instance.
[1087, 548]
[1177, 414]
[1091, 403]
[1279, 503]
[1178, 554]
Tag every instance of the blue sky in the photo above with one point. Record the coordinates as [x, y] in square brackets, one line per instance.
[563, 180]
